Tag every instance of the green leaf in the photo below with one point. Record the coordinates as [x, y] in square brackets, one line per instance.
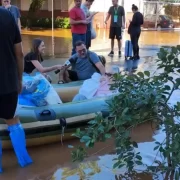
[170, 78]
[125, 111]
[135, 144]
[140, 74]
[138, 163]
[92, 122]
[178, 81]
[88, 144]
[167, 87]
[107, 136]
[158, 143]
[147, 73]
[177, 175]
[85, 138]
[116, 165]
[139, 157]
[120, 166]
[157, 147]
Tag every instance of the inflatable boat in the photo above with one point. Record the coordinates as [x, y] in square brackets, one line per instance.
[44, 125]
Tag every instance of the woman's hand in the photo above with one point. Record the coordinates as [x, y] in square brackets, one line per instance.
[59, 66]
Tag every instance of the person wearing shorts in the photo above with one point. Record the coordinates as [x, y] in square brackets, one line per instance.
[11, 70]
[117, 15]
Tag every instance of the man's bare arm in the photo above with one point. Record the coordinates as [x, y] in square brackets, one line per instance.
[107, 18]
[73, 22]
[101, 68]
[20, 59]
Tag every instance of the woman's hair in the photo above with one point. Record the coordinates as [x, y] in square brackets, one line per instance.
[35, 45]
[134, 8]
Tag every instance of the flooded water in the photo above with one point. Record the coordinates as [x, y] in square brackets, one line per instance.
[48, 159]
[51, 161]
[60, 45]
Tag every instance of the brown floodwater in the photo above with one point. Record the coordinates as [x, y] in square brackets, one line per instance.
[48, 159]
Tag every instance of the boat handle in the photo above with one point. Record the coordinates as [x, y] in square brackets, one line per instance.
[45, 113]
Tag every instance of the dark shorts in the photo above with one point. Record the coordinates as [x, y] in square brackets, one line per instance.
[115, 32]
[8, 104]
[73, 75]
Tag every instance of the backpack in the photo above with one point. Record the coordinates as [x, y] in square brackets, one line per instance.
[101, 58]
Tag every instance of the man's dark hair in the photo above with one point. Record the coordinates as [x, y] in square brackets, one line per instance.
[79, 43]
[90, 0]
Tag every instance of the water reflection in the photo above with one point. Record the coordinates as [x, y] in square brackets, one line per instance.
[62, 40]
[62, 46]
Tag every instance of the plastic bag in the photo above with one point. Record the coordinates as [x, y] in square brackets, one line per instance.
[34, 96]
[52, 97]
[93, 33]
[37, 91]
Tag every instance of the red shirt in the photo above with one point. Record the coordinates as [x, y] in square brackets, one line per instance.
[77, 14]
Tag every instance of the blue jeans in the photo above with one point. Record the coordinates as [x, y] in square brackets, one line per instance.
[75, 38]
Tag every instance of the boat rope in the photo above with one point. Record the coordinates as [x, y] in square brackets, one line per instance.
[63, 125]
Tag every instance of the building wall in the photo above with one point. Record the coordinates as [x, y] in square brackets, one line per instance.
[61, 8]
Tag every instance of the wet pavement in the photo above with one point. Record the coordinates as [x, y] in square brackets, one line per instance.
[150, 42]
[50, 160]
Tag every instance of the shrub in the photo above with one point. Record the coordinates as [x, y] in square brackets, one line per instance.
[59, 22]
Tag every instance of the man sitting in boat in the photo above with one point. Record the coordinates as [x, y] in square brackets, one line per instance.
[84, 64]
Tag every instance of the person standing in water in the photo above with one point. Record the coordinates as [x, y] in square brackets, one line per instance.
[11, 70]
[134, 30]
[117, 23]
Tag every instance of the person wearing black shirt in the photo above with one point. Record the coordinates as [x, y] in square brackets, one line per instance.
[117, 15]
[135, 30]
[11, 70]
[34, 58]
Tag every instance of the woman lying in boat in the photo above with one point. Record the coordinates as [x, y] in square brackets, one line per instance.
[34, 59]
[95, 87]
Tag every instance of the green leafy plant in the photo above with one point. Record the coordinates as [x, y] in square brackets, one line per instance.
[142, 97]
[59, 22]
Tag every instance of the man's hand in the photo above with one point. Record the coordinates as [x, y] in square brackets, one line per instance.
[85, 21]
[103, 78]
[20, 86]
[105, 22]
